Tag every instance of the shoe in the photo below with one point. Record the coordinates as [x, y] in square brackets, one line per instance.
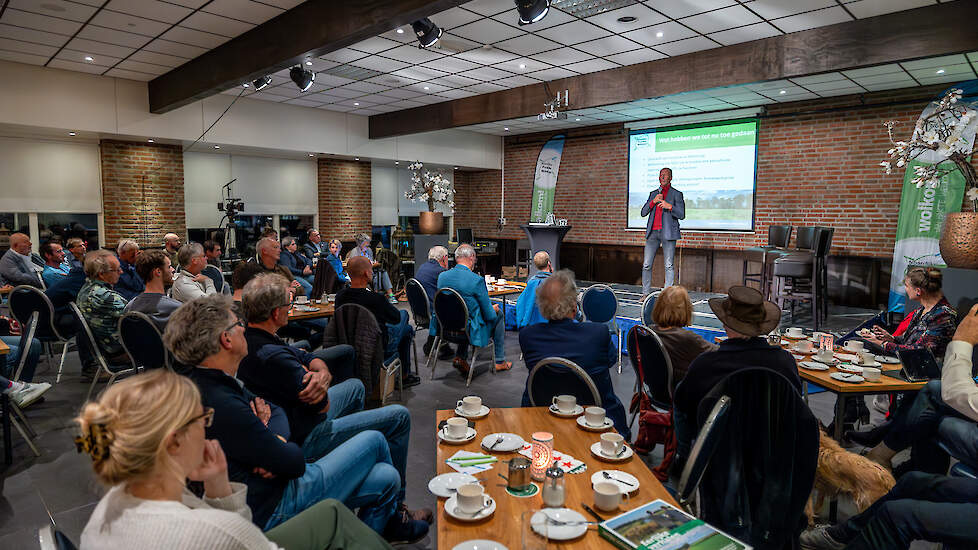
[87, 376]
[392, 299]
[819, 539]
[505, 365]
[461, 365]
[445, 354]
[28, 394]
[871, 437]
[409, 380]
[407, 527]
[882, 403]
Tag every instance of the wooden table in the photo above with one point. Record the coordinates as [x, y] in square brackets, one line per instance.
[322, 310]
[4, 350]
[505, 524]
[510, 288]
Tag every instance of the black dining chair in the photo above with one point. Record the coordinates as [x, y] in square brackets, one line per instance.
[114, 371]
[143, 341]
[25, 300]
[418, 302]
[653, 367]
[703, 450]
[215, 275]
[555, 376]
[453, 327]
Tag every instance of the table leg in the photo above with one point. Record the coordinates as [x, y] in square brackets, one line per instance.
[840, 416]
[804, 391]
[8, 456]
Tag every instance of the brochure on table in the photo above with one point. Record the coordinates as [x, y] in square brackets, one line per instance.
[661, 526]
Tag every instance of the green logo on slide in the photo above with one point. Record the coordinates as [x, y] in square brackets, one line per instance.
[731, 135]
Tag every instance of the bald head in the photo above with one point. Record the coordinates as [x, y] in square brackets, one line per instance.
[20, 243]
[360, 270]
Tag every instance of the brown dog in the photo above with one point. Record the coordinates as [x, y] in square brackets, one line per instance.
[840, 472]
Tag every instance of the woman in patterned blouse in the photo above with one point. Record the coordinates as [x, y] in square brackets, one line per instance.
[931, 326]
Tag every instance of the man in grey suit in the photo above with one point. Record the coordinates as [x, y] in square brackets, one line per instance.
[664, 208]
[16, 266]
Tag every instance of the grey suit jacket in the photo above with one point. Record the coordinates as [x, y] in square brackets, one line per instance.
[14, 272]
[670, 218]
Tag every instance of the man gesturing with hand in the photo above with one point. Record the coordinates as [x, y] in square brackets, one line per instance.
[664, 208]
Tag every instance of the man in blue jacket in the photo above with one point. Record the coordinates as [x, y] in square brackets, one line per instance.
[527, 312]
[666, 207]
[587, 344]
[427, 275]
[255, 434]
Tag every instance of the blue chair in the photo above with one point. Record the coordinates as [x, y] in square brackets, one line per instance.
[50, 538]
[453, 327]
[648, 303]
[215, 275]
[600, 305]
[959, 469]
[706, 445]
[554, 376]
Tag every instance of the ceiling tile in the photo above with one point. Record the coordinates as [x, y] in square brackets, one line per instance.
[552, 74]
[171, 48]
[683, 8]
[412, 54]
[890, 85]
[194, 37]
[973, 57]
[772, 85]
[516, 81]
[453, 17]
[456, 94]
[103, 61]
[841, 91]
[484, 88]
[336, 107]
[158, 58]
[936, 62]
[487, 55]
[872, 8]
[812, 19]
[406, 35]
[303, 102]
[345, 92]
[953, 71]
[722, 19]
[381, 64]
[451, 44]
[944, 78]
[574, 32]
[377, 99]
[523, 65]
[192, 4]
[772, 9]
[454, 81]
[448, 65]
[609, 45]
[208, 22]
[528, 44]
[488, 7]
[359, 102]
[406, 104]
[384, 108]
[392, 80]
[688, 45]
[55, 8]
[745, 34]
[819, 79]
[150, 9]
[591, 66]
[400, 93]
[130, 75]
[670, 30]
[40, 22]
[374, 45]
[73, 66]
[487, 74]
[881, 78]
[554, 17]
[99, 48]
[28, 47]
[636, 56]
[563, 56]
[871, 71]
[487, 31]
[319, 64]
[419, 73]
[129, 23]
[344, 55]
[149, 68]
[245, 10]
[32, 35]
[429, 99]
[366, 87]
[644, 16]
[822, 87]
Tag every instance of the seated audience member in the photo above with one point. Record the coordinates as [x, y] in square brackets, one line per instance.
[171, 245]
[16, 266]
[154, 267]
[78, 249]
[190, 283]
[212, 250]
[269, 233]
[130, 284]
[314, 247]
[747, 318]
[363, 250]
[527, 312]
[145, 436]
[586, 344]
[393, 323]
[485, 318]
[334, 259]
[11, 360]
[61, 294]
[297, 264]
[267, 254]
[101, 305]
[932, 324]
[427, 275]
[55, 266]
[671, 313]
[23, 394]
[255, 434]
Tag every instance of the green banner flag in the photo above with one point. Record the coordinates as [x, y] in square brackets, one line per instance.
[545, 179]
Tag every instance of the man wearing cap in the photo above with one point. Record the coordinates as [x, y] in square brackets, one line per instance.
[747, 318]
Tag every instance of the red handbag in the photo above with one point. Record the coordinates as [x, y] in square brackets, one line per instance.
[654, 427]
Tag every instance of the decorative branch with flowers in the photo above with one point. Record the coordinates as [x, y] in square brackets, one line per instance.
[430, 187]
[942, 131]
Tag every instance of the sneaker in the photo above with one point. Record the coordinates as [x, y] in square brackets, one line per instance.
[28, 394]
[461, 365]
[505, 365]
[407, 527]
[882, 403]
[409, 380]
[819, 539]
[392, 299]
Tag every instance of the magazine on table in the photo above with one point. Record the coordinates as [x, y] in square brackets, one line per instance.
[660, 526]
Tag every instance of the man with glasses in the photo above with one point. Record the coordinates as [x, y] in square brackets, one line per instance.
[154, 268]
[78, 249]
[102, 306]
[190, 283]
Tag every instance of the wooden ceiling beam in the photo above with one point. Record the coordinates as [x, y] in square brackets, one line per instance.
[944, 29]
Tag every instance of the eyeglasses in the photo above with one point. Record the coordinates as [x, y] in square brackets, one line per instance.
[207, 415]
[238, 323]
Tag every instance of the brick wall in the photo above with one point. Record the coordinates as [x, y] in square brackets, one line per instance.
[477, 201]
[818, 164]
[142, 191]
[344, 198]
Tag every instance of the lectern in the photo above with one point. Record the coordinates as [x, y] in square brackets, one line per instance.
[546, 238]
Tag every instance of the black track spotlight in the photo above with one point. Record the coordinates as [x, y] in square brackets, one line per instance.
[262, 83]
[303, 78]
[427, 32]
[531, 11]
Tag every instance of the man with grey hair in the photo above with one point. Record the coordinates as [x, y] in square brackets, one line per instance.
[190, 283]
[130, 284]
[314, 247]
[527, 312]
[16, 266]
[102, 306]
[427, 275]
[171, 245]
[486, 320]
[586, 344]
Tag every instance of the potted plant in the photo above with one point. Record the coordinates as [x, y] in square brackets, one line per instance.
[431, 188]
[941, 144]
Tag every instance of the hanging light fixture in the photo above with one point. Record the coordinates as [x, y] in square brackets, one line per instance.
[262, 82]
[303, 78]
[427, 32]
[531, 11]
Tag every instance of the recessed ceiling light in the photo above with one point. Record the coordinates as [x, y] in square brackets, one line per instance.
[522, 65]
[427, 88]
[311, 155]
[245, 85]
[89, 58]
[940, 71]
[356, 158]
[151, 141]
[71, 133]
[506, 128]
[308, 63]
[217, 146]
[397, 162]
[658, 34]
[627, 19]
[456, 167]
[577, 119]
[782, 92]
[399, 31]
[355, 104]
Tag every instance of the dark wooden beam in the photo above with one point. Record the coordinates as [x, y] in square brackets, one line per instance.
[943, 29]
[311, 29]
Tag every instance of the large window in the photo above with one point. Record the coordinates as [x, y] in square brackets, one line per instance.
[61, 227]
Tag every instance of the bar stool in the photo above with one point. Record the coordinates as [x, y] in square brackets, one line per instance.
[777, 238]
[801, 275]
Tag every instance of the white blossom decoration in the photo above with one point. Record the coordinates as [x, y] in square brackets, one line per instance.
[430, 187]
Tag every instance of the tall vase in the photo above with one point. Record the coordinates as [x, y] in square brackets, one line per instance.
[959, 240]
[431, 223]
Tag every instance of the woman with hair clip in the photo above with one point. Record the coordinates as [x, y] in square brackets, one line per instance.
[931, 326]
[145, 435]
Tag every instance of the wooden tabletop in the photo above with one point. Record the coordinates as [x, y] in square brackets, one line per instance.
[504, 525]
[4, 350]
[6, 289]
[507, 290]
[322, 310]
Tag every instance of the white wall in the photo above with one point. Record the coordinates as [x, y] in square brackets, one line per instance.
[49, 176]
[383, 193]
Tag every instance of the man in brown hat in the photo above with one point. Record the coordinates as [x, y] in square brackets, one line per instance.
[747, 318]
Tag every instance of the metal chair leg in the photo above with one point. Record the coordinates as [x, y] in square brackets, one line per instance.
[475, 355]
[64, 352]
[492, 353]
[433, 356]
[619, 350]
[414, 347]
[23, 419]
[30, 442]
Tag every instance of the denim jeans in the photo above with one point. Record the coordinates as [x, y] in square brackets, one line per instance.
[13, 358]
[358, 473]
[306, 286]
[341, 360]
[346, 418]
[669, 254]
[960, 436]
[917, 424]
[399, 339]
[498, 340]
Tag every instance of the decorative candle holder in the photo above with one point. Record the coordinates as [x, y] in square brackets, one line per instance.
[541, 451]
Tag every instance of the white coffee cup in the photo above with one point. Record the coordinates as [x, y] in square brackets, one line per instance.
[594, 416]
[867, 358]
[855, 345]
[470, 404]
[565, 403]
[607, 496]
[794, 332]
[824, 354]
[611, 443]
[471, 497]
[501, 282]
[456, 427]
[302, 299]
[872, 374]
[804, 346]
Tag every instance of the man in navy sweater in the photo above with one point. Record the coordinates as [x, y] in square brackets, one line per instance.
[427, 275]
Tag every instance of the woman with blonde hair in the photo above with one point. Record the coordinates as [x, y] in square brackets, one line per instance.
[672, 312]
[335, 246]
[145, 435]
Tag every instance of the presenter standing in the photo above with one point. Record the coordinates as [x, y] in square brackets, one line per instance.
[666, 207]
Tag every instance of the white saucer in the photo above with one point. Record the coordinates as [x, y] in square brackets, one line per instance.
[846, 367]
[596, 451]
[845, 377]
[874, 364]
[480, 544]
[481, 414]
[619, 477]
[853, 351]
[812, 365]
[833, 361]
[551, 531]
[795, 349]
[444, 485]
[846, 357]
[798, 357]
[886, 360]
[582, 422]
[790, 337]
[469, 436]
[578, 410]
[510, 442]
[451, 508]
